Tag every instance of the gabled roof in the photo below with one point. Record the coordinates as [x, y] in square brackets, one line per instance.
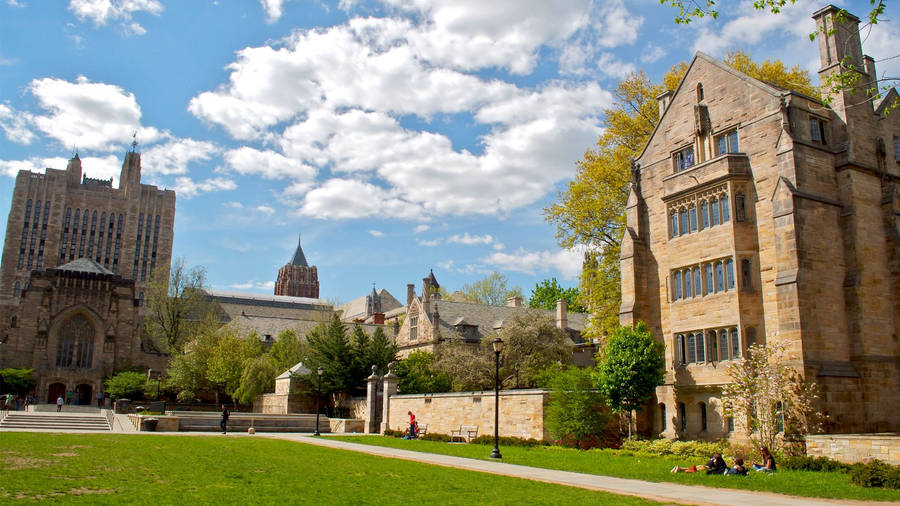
[293, 371]
[84, 264]
[356, 308]
[491, 318]
[299, 258]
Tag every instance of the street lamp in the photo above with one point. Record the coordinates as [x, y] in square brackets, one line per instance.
[497, 343]
[517, 375]
[319, 373]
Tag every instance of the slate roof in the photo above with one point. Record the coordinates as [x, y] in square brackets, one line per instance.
[491, 318]
[297, 369]
[269, 314]
[84, 264]
[299, 258]
[356, 308]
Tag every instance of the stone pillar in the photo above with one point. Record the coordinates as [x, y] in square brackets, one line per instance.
[390, 388]
[371, 402]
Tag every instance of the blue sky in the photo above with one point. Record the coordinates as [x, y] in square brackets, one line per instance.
[396, 137]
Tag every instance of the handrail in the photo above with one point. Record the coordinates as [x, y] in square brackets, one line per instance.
[111, 419]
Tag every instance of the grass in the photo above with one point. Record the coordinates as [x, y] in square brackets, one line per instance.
[158, 469]
[650, 468]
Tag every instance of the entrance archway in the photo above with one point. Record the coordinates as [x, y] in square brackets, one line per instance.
[55, 391]
[84, 393]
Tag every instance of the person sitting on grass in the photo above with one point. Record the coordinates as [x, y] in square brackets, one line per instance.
[716, 465]
[738, 468]
[768, 462]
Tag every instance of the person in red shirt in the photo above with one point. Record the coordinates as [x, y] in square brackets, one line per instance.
[412, 425]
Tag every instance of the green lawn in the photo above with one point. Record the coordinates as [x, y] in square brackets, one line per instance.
[622, 465]
[150, 469]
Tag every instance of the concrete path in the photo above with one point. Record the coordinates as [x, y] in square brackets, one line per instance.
[665, 492]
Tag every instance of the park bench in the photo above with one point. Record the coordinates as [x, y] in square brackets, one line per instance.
[465, 433]
[421, 430]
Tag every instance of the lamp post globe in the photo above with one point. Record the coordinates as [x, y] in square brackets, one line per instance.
[319, 373]
[497, 343]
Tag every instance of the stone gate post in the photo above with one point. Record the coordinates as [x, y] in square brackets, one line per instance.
[390, 388]
[371, 403]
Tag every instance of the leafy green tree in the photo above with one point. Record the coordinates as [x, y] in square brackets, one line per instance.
[16, 381]
[547, 292]
[177, 304]
[469, 367]
[773, 72]
[492, 290]
[127, 385]
[576, 413]
[689, 10]
[287, 350]
[629, 368]
[329, 348]
[257, 378]
[417, 375]
[532, 341]
[380, 351]
[228, 358]
[187, 372]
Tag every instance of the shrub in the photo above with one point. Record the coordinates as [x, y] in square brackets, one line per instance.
[443, 438]
[576, 414]
[821, 464]
[127, 385]
[699, 449]
[394, 433]
[875, 474]
[507, 441]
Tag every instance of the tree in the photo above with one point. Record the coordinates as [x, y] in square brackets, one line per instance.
[126, 385]
[228, 358]
[177, 304]
[257, 378]
[417, 375]
[629, 368]
[576, 413]
[771, 397]
[491, 290]
[533, 342]
[287, 350]
[468, 367]
[329, 348]
[187, 373]
[379, 352]
[17, 381]
[773, 72]
[695, 9]
[547, 292]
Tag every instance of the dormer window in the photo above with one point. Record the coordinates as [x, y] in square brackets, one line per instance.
[684, 159]
[817, 128]
[727, 143]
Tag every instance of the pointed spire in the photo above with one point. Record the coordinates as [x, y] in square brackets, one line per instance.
[299, 257]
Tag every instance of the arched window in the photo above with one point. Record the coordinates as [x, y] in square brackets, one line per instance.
[701, 348]
[729, 424]
[729, 274]
[662, 417]
[679, 349]
[682, 415]
[714, 212]
[740, 212]
[735, 344]
[703, 416]
[688, 284]
[692, 215]
[746, 282]
[676, 282]
[697, 282]
[691, 352]
[709, 279]
[674, 223]
[711, 346]
[75, 346]
[683, 219]
[720, 277]
[723, 345]
[704, 214]
[726, 211]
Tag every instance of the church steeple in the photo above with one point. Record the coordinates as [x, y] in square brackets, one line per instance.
[297, 278]
[299, 257]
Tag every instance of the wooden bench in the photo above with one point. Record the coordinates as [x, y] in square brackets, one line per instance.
[421, 430]
[465, 433]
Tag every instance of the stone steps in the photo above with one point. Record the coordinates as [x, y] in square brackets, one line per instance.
[25, 421]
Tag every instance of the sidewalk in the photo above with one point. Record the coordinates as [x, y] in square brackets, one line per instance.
[665, 492]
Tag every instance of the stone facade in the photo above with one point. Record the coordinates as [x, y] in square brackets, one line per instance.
[755, 215]
[297, 278]
[77, 258]
[853, 448]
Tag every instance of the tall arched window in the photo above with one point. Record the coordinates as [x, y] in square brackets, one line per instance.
[676, 281]
[714, 212]
[75, 346]
[692, 215]
[697, 282]
[709, 279]
[674, 223]
[729, 274]
[16, 289]
[704, 215]
[662, 417]
[683, 219]
[691, 352]
[711, 346]
[726, 211]
[701, 348]
[703, 416]
[699, 92]
[735, 344]
[723, 345]
[720, 277]
[679, 349]
[688, 284]
[740, 212]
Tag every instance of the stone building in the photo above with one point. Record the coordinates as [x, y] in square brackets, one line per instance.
[757, 214]
[77, 258]
[371, 308]
[269, 315]
[297, 278]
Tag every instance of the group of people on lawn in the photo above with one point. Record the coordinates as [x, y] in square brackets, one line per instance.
[717, 465]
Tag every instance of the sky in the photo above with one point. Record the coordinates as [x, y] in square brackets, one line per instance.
[393, 136]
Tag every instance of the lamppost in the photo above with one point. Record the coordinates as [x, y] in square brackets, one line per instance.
[497, 343]
[517, 375]
[319, 373]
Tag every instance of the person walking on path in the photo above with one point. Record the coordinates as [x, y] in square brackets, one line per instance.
[224, 421]
[69, 395]
[100, 399]
[59, 403]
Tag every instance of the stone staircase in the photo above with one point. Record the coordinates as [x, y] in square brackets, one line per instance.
[21, 420]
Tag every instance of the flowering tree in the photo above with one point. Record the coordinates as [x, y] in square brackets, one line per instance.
[772, 396]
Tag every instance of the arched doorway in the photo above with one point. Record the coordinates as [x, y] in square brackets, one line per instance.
[84, 393]
[55, 391]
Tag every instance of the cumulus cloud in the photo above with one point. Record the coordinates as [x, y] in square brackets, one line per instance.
[15, 125]
[265, 209]
[268, 164]
[187, 188]
[376, 233]
[420, 228]
[751, 26]
[96, 167]
[566, 262]
[466, 238]
[254, 285]
[102, 12]
[428, 243]
[174, 156]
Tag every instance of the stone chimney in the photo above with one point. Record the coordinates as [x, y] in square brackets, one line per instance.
[663, 100]
[514, 302]
[410, 293]
[562, 314]
[378, 318]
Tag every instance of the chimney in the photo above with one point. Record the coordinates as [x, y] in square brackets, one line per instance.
[663, 100]
[426, 289]
[870, 69]
[378, 318]
[410, 293]
[562, 314]
[514, 302]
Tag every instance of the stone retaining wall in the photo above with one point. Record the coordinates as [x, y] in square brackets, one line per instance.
[521, 412]
[852, 448]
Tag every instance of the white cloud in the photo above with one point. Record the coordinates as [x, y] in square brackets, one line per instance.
[498, 246]
[15, 125]
[468, 239]
[174, 156]
[15, 3]
[265, 209]
[652, 53]
[751, 26]
[105, 167]
[233, 205]
[420, 228]
[376, 233]
[273, 8]
[347, 198]
[254, 285]
[268, 164]
[187, 188]
[88, 115]
[102, 12]
[567, 262]
[428, 243]
[608, 64]
[616, 25]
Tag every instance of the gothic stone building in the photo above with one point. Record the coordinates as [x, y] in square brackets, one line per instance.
[77, 258]
[297, 278]
[757, 214]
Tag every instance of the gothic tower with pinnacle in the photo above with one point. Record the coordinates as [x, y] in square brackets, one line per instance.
[297, 278]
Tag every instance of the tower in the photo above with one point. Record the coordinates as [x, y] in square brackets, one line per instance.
[297, 278]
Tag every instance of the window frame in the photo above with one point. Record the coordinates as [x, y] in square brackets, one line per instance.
[684, 159]
[727, 142]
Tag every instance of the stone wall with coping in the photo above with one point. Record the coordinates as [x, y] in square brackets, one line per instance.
[852, 448]
[522, 412]
[345, 425]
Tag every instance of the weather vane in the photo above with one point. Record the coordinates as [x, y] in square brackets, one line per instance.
[134, 141]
